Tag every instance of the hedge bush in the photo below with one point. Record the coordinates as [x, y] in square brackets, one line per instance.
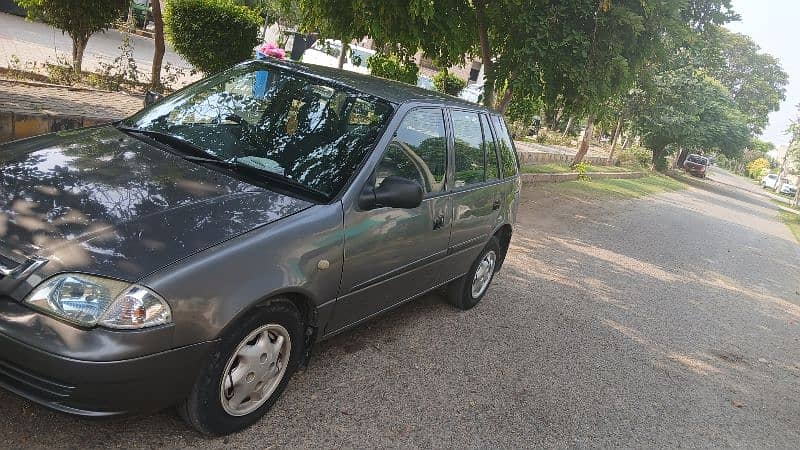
[756, 167]
[448, 83]
[211, 34]
[393, 67]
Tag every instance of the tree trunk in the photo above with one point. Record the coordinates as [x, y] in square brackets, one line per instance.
[615, 140]
[78, 46]
[569, 125]
[158, 54]
[681, 157]
[794, 200]
[486, 54]
[658, 153]
[508, 95]
[587, 136]
[342, 55]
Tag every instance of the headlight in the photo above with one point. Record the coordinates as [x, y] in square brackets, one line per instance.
[88, 301]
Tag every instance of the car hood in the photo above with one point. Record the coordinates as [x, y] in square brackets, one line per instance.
[97, 200]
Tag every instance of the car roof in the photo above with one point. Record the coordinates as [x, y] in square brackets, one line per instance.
[389, 90]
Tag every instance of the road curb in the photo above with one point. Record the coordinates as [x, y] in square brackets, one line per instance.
[531, 178]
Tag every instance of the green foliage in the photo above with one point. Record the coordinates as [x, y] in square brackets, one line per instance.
[393, 67]
[756, 167]
[687, 109]
[211, 34]
[77, 18]
[756, 81]
[761, 146]
[635, 156]
[448, 83]
[582, 168]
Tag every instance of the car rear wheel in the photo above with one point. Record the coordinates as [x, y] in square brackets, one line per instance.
[467, 291]
[248, 372]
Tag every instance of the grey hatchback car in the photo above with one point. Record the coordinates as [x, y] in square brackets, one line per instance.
[191, 254]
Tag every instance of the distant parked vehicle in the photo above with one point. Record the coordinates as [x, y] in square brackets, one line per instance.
[696, 165]
[770, 181]
[788, 189]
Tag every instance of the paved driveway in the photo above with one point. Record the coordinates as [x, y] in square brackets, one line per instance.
[668, 321]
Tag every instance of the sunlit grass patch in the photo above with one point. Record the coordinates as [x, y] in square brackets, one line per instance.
[632, 188]
[564, 168]
[792, 220]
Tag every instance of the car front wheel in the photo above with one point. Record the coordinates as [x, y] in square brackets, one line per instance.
[465, 292]
[248, 372]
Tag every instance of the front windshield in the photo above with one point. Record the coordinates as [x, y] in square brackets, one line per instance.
[274, 120]
[698, 159]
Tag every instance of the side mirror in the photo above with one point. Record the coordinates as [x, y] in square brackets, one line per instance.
[151, 97]
[394, 192]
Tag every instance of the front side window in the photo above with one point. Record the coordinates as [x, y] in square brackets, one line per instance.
[468, 138]
[418, 151]
[275, 121]
[507, 157]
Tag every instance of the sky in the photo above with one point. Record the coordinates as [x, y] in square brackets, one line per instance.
[773, 24]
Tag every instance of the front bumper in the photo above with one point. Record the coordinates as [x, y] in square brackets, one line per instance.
[97, 389]
[93, 372]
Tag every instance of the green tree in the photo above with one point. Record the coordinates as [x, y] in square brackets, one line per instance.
[448, 83]
[756, 81]
[77, 18]
[687, 109]
[393, 67]
[211, 34]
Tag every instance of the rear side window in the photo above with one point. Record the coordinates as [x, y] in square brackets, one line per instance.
[492, 170]
[418, 151]
[470, 165]
[507, 157]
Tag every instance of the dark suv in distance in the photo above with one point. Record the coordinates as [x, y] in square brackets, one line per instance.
[696, 165]
[190, 255]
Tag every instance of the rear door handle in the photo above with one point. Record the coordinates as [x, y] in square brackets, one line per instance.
[496, 205]
[438, 222]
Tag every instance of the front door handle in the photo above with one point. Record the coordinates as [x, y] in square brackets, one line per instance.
[438, 222]
[496, 205]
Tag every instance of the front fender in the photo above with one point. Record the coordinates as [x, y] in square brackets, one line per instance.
[211, 289]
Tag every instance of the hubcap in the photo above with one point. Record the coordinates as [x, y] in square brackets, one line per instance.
[255, 370]
[484, 274]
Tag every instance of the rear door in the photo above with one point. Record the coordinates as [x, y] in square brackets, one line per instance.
[475, 187]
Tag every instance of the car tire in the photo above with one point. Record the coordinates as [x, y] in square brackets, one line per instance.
[213, 406]
[463, 292]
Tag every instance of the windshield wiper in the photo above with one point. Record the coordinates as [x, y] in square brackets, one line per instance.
[277, 178]
[178, 143]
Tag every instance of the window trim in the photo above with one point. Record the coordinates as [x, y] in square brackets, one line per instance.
[393, 133]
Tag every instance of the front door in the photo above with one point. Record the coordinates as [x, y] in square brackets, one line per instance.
[390, 254]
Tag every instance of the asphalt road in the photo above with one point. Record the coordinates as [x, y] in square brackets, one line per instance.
[661, 322]
[38, 42]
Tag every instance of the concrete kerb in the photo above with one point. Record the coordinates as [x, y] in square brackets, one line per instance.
[531, 178]
[18, 125]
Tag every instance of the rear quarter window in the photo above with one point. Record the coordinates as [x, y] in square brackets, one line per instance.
[508, 158]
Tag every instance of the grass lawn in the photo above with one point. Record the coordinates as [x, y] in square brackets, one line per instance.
[603, 189]
[564, 168]
[792, 220]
